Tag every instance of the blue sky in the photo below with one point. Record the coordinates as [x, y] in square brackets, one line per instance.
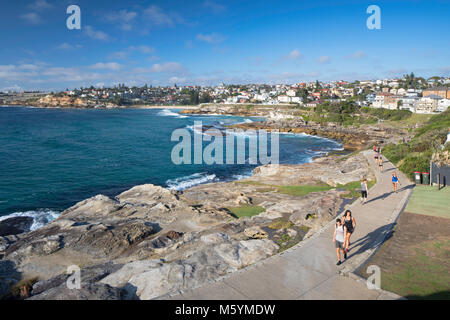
[211, 41]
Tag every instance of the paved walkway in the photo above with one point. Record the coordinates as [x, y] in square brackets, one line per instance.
[308, 270]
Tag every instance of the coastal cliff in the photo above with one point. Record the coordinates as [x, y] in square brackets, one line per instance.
[149, 241]
[61, 101]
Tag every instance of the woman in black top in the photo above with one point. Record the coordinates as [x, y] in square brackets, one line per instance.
[350, 224]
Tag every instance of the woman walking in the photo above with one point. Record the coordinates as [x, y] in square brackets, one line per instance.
[350, 225]
[380, 163]
[395, 181]
[364, 191]
[339, 238]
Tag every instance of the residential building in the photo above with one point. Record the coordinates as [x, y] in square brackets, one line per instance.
[443, 104]
[386, 101]
[409, 103]
[428, 104]
[443, 92]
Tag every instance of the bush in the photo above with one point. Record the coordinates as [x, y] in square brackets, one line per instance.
[416, 162]
[395, 152]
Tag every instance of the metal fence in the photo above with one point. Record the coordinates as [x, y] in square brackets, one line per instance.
[440, 175]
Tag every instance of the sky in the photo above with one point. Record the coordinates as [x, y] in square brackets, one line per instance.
[208, 42]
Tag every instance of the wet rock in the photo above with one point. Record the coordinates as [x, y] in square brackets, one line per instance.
[15, 225]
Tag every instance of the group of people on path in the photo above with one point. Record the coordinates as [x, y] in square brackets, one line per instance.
[378, 158]
[345, 227]
[343, 230]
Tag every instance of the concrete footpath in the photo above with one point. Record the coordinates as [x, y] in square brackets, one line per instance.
[309, 270]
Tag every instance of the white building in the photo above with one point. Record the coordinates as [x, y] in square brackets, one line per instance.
[428, 104]
[409, 103]
[443, 104]
[291, 93]
[284, 99]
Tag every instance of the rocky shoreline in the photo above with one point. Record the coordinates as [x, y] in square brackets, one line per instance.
[149, 241]
[286, 119]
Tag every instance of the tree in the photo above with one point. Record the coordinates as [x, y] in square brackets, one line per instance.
[318, 86]
[303, 93]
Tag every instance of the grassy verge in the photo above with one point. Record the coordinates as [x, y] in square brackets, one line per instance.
[354, 188]
[303, 190]
[424, 275]
[246, 211]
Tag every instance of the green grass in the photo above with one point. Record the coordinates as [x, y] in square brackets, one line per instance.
[428, 200]
[303, 190]
[251, 183]
[414, 119]
[424, 275]
[246, 211]
[281, 224]
[354, 188]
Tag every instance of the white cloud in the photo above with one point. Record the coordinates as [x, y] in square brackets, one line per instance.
[113, 66]
[40, 5]
[212, 38]
[214, 6]
[152, 58]
[324, 60]
[96, 34]
[294, 55]
[32, 18]
[142, 49]
[15, 88]
[156, 16]
[68, 46]
[168, 67]
[358, 55]
[123, 18]
[123, 54]
[31, 67]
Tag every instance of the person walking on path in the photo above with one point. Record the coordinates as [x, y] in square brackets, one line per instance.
[338, 238]
[395, 181]
[380, 163]
[364, 191]
[350, 225]
[375, 153]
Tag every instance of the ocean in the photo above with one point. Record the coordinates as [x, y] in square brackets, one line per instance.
[53, 158]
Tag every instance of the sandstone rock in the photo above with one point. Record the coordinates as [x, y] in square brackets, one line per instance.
[255, 233]
[153, 278]
[88, 291]
[215, 238]
[242, 199]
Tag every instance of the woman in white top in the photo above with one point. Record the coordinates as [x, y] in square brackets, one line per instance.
[340, 233]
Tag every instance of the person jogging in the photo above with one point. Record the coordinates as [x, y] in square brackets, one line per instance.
[350, 225]
[338, 238]
[364, 191]
[395, 181]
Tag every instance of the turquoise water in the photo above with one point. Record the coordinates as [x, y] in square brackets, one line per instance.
[53, 158]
